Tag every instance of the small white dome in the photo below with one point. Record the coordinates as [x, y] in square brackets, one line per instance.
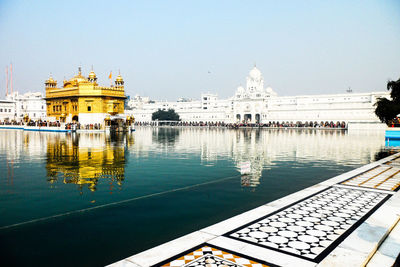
[271, 91]
[255, 73]
[240, 89]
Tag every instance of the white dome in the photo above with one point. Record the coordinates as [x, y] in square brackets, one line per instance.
[271, 91]
[255, 73]
[240, 89]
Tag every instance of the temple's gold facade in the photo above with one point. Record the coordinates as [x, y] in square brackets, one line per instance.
[82, 99]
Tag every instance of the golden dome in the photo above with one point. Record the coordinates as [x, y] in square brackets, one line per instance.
[92, 75]
[50, 79]
[119, 78]
[79, 77]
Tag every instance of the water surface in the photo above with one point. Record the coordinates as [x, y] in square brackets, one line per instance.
[91, 199]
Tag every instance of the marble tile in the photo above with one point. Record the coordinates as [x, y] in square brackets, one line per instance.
[344, 257]
[170, 249]
[388, 250]
[394, 161]
[380, 260]
[365, 239]
[313, 227]
[260, 253]
[386, 216]
[237, 221]
[381, 177]
[345, 176]
[123, 263]
[363, 188]
[394, 202]
[208, 255]
[374, 230]
[289, 199]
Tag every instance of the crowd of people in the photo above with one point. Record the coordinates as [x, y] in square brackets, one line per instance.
[43, 123]
[270, 124]
[78, 126]
[38, 123]
[11, 122]
[273, 124]
[394, 123]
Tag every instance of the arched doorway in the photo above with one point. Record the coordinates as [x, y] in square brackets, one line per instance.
[238, 117]
[257, 118]
[75, 118]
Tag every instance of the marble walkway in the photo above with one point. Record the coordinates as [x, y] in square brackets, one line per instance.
[349, 220]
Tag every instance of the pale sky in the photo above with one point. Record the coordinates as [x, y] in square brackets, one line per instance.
[171, 49]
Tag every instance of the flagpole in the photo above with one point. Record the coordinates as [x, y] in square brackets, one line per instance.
[7, 81]
[11, 79]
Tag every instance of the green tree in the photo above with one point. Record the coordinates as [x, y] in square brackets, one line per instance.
[386, 109]
[165, 115]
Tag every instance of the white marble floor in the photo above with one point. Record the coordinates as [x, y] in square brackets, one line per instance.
[309, 228]
[383, 177]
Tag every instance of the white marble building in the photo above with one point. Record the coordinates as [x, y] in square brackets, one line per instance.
[29, 104]
[255, 103]
[7, 110]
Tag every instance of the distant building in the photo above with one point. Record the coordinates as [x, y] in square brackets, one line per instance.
[258, 104]
[18, 106]
[7, 110]
[82, 100]
[138, 101]
[28, 105]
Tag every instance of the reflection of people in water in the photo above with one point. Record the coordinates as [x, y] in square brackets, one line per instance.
[165, 136]
[245, 180]
[250, 172]
[86, 158]
[250, 181]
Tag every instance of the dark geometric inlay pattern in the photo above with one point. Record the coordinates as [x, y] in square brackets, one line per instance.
[211, 260]
[307, 228]
[211, 256]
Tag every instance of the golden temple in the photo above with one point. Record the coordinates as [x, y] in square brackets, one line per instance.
[81, 99]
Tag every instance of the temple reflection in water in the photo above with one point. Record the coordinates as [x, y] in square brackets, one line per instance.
[93, 159]
[85, 159]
